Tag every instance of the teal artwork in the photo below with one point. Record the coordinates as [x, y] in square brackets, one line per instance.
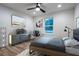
[49, 25]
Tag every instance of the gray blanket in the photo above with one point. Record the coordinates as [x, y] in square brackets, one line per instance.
[49, 43]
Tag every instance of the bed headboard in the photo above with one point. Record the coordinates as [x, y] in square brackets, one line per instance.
[76, 34]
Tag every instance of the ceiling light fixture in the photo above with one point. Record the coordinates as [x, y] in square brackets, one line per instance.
[38, 4]
[37, 9]
[59, 6]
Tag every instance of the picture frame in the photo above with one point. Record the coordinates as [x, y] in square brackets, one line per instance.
[17, 20]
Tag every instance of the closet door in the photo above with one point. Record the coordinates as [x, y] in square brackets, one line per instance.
[77, 23]
[2, 36]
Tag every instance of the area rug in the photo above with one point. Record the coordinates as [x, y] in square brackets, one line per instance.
[24, 53]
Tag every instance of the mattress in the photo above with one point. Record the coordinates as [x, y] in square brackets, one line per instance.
[49, 43]
[73, 50]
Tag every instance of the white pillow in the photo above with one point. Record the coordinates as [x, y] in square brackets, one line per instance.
[70, 41]
[66, 38]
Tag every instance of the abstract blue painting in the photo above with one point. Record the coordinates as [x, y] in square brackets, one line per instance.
[49, 25]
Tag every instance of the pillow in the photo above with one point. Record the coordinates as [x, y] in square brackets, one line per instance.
[66, 38]
[70, 41]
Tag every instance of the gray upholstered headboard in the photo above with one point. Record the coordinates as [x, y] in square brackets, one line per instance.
[76, 34]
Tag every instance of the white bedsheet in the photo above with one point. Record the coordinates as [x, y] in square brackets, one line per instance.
[72, 50]
[68, 41]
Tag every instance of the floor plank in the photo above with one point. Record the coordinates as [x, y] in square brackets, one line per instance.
[14, 50]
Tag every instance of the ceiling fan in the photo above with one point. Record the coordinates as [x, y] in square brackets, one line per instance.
[37, 8]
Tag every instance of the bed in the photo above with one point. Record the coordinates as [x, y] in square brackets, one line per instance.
[73, 47]
[55, 46]
[48, 45]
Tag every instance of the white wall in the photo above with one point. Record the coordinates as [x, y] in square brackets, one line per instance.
[5, 20]
[61, 19]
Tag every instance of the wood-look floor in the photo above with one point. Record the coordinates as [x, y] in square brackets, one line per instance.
[14, 50]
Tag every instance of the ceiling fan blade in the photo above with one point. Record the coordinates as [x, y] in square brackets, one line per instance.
[42, 10]
[31, 8]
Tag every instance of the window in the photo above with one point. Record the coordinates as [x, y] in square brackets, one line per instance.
[49, 25]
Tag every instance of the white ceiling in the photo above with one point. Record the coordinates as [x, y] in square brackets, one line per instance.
[48, 7]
